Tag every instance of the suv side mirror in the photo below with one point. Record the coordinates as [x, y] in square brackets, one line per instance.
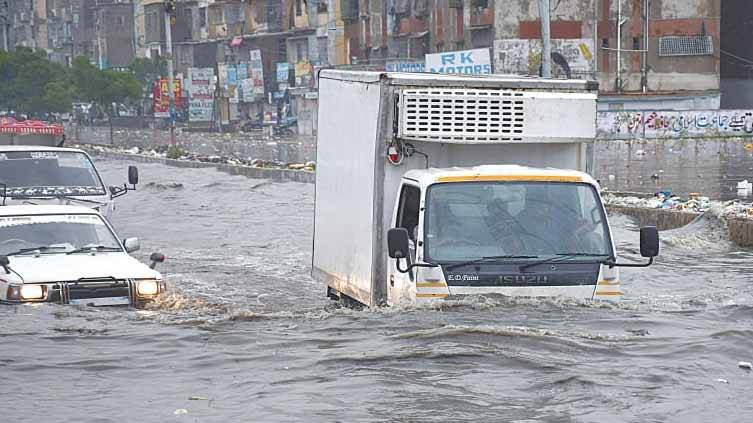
[649, 242]
[4, 263]
[131, 244]
[156, 258]
[398, 243]
[133, 175]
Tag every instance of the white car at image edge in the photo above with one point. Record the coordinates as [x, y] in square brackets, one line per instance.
[71, 255]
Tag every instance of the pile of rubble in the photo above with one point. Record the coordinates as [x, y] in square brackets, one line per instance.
[177, 153]
[693, 204]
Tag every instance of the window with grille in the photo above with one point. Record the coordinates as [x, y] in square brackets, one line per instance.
[687, 45]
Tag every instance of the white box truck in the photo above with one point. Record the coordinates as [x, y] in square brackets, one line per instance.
[433, 186]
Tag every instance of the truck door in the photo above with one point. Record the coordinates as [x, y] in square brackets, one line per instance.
[401, 286]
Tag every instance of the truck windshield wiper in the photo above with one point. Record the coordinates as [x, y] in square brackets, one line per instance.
[562, 257]
[487, 258]
[93, 247]
[28, 250]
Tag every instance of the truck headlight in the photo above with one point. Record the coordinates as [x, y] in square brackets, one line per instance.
[29, 292]
[147, 288]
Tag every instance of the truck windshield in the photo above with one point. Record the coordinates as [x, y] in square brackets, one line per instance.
[48, 173]
[55, 233]
[468, 220]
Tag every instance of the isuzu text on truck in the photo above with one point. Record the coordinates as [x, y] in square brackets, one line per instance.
[437, 186]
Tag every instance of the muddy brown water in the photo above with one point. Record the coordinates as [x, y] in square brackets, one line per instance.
[710, 167]
[250, 336]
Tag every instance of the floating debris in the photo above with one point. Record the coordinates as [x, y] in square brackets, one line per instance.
[178, 153]
[694, 204]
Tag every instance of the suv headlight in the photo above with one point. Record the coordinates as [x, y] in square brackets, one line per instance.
[147, 288]
[25, 292]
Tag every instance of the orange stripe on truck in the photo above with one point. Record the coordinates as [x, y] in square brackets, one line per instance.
[526, 178]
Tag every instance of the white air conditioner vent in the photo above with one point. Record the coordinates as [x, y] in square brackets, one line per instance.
[461, 115]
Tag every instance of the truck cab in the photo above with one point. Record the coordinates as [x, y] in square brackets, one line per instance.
[509, 230]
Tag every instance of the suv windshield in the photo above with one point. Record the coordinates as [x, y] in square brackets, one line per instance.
[468, 220]
[48, 173]
[55, 233]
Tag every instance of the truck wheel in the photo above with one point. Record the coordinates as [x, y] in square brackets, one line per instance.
[333, 294]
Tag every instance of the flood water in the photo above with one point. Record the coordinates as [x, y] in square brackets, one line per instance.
[709, 167]
[250, 336]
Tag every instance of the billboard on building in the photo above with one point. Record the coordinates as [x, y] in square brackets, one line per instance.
[201, 94]
[475, 61]
[257, 72]
[161, 96]
[283, 70]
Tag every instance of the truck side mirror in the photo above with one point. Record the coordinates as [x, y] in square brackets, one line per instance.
[398, 243]
[649, 241]
[133, 175]
[649, 248]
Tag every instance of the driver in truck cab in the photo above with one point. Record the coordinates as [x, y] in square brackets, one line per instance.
[548, 222]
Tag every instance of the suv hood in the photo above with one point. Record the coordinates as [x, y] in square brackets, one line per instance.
[63, 268]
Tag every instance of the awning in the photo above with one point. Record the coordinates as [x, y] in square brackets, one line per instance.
[9, 125]
[418, 34]
[236, 41]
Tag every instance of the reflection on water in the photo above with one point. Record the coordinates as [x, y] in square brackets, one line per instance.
[252, 336]
[712, 168]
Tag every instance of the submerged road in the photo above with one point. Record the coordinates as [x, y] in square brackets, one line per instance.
[247, 335]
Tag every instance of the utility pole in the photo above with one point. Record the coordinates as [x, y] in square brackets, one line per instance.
[546, 40]
[169, 10]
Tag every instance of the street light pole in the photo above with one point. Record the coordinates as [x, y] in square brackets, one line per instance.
[169, 8]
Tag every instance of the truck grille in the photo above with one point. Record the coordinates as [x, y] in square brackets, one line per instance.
[461, 116]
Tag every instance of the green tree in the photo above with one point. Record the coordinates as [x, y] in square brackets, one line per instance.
[31, 84]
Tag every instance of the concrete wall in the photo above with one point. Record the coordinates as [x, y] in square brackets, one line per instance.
[517, 22]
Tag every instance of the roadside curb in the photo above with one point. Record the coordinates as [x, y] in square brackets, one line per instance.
[277, 175]
[739, 230]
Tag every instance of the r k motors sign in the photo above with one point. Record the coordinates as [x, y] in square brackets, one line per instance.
[466, 61]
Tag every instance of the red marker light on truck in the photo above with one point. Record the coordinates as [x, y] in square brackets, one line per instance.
[393, 155]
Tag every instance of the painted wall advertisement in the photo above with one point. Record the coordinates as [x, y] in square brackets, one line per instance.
[201, 94]
[681, 124]
[475, 61]
[523, 57]
[161, 97]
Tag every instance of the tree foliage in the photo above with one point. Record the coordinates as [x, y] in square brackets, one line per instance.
[31, 84]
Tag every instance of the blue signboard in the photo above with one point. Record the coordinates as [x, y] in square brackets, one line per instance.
[405, 66]
[467, 61]
[283, 70]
